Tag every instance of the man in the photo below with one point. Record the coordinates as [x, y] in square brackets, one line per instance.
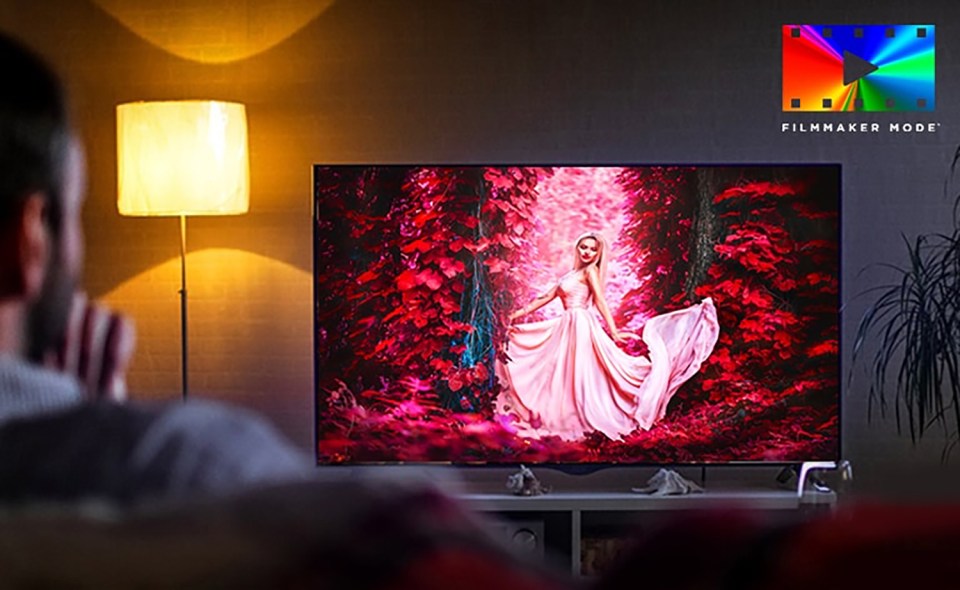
[56, 349]
[330, 530]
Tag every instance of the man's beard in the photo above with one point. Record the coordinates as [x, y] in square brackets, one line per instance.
[47, 318]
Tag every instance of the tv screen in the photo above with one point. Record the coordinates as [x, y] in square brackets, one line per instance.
[634, 314]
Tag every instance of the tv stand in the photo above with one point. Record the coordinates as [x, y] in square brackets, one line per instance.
[561, 522]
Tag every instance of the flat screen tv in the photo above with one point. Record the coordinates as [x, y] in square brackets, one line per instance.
[463, 314]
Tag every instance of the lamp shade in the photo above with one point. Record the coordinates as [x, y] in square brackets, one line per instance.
[185, 157]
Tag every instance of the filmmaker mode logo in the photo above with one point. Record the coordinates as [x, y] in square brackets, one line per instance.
[860, 68]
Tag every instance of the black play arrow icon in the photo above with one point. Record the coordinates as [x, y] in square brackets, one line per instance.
[855, 67]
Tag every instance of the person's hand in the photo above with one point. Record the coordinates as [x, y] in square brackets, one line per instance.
[97, 348]
[622, 337]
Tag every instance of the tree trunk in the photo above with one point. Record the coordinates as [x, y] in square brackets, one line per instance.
[705, 229]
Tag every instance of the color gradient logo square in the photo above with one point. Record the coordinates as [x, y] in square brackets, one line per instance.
[866, 68]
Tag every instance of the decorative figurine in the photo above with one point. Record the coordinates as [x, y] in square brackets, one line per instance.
[669, 483]
[525, 483]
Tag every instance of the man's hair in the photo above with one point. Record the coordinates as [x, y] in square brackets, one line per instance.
[34, 131]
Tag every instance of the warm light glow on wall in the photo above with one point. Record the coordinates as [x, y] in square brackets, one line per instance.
[214, 31]
[234, 310]
[182, 158]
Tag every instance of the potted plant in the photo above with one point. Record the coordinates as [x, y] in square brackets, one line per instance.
[910, 336]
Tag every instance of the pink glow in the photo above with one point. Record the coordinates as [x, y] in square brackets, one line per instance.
[572, 201]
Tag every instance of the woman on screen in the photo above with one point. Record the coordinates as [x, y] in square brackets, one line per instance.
[567, 377]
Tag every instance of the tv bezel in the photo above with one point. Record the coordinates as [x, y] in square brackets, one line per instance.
[582, 468]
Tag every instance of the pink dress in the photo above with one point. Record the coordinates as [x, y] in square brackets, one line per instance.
[567, 377]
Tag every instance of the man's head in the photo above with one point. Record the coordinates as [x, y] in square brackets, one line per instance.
[41, 186]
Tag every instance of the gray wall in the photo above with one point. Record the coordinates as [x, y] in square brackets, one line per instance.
[559, 81]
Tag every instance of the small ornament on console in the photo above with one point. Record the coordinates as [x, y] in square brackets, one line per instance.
[667, 482]
[525, 483]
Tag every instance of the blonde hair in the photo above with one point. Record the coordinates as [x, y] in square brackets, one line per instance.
[600, 262]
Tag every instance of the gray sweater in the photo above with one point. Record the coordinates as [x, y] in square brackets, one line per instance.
[53, 447]
[27, 390]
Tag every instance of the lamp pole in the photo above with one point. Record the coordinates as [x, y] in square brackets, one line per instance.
[183, 303]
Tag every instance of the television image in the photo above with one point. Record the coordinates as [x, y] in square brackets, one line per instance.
[462, 314]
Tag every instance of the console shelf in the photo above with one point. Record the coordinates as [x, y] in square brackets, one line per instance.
[539, 522]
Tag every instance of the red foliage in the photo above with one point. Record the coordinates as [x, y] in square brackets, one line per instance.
[657, 234]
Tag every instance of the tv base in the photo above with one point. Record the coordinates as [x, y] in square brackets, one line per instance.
[808, 477]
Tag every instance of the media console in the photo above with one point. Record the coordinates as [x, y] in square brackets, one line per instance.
[561, 525]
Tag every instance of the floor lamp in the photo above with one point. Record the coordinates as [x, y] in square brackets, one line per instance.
[182, 158]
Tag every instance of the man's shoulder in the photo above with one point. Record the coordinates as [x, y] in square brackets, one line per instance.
[129, 452]
[28, 390]
[210, 447]
[216, 439]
